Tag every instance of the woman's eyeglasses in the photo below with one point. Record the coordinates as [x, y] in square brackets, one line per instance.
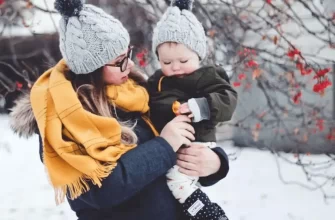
[124, 62]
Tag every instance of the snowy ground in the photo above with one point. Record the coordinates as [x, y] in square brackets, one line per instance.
[252, 190]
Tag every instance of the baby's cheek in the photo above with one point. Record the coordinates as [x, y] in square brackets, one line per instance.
[190, 69]
[166, 71]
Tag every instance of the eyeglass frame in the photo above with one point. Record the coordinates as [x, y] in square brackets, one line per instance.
[125, 59]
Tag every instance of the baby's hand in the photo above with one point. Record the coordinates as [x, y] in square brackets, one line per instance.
[185, 110]
[181, 109]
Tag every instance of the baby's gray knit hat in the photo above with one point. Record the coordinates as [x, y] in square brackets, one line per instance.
[89, 37]
[179, 24]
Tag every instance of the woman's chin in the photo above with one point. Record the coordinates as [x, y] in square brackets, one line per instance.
[124, 79]
[118, 81]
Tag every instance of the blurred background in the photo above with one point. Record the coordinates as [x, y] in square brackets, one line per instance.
[280, 57]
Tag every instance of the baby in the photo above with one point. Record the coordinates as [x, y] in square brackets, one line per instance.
[182, 86]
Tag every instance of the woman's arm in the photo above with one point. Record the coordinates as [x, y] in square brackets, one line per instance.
[136, 169]
[141, 165]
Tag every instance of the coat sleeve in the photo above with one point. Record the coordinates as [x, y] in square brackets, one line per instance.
[221, 97]
[135, 170]
[223, 171]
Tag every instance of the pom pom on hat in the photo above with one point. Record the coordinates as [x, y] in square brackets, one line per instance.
[183, 4]
[69, 8]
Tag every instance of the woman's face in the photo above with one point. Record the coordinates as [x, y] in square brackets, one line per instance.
[113, 74]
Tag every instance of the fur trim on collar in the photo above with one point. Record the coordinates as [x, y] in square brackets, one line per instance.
[22, 120]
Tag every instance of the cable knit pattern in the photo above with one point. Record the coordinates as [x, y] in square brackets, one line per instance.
[183, 27]
[91, 39]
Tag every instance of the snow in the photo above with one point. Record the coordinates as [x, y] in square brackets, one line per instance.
[39, 22]
[251, 191]
[25, 192]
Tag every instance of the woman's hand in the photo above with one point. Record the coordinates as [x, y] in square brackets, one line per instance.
[178, 132]
[198, 160]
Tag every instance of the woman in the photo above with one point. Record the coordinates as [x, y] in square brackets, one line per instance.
[97, 143]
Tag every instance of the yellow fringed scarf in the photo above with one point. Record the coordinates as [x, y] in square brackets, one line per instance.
[79, 146]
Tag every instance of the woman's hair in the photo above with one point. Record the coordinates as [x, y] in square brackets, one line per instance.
[91, 91]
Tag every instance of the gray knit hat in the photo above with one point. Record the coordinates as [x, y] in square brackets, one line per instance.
[89, 37]
[178, 24]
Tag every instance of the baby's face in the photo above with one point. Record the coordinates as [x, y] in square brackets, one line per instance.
[177, 60]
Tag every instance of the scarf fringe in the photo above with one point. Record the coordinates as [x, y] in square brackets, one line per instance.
[81, 184]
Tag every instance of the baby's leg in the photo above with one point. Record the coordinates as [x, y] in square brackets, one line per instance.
[195, 203]
[181, 185]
